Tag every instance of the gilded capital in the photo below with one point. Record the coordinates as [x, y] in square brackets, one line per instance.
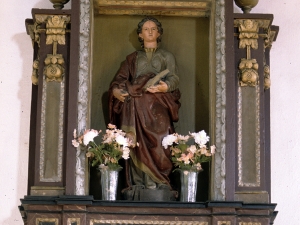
[56, 29]
[248, 33]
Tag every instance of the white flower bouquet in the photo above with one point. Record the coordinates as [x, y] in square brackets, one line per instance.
[113, 147]
[185, 156]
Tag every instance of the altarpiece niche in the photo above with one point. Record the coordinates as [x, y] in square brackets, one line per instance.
[188, 39]
[208, 50]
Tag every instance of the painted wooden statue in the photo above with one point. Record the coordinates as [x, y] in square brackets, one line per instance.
[144, 102]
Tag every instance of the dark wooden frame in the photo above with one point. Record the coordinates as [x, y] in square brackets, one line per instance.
[72, 101]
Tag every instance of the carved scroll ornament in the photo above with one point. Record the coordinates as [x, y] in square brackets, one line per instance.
[248, 34]
[35, 69]
[56, 29]
[267, 80]
[55, 34]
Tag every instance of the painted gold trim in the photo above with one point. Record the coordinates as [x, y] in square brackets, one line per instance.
[169, 4]
[269, 37]
[224, 223]
[152, 222]
[249, 223]
[248, 35]
[73, 220]
[261, 23]
[242, 183]
[152, 12]
[170, 8]
[53, 220]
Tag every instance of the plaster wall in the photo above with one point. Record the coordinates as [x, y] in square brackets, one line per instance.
[15, 94]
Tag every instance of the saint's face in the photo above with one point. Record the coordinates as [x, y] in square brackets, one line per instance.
[149, 32]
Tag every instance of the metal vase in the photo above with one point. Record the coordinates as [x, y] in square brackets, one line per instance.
[188, 180]
[109, 183]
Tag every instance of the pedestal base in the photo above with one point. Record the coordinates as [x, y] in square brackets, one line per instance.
[83, 210]
[139, 193]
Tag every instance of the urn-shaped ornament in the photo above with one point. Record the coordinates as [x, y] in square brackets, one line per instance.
[59, 4]
[246, 5]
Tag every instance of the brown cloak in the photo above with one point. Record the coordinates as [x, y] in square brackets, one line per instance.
[148, 116]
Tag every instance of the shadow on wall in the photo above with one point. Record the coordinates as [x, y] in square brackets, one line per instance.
[19, 189]
[25, 53]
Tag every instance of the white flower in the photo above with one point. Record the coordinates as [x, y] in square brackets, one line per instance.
[122, 140]
[198, 166]
[169, 140]
[89, 136]
[200, 138]
[108, 140]
[102, 166]
[213, 149]
[126, 152]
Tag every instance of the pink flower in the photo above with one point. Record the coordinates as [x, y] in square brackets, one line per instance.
[183, 138]
[198, 166]
[89, 154]
[203, 151]
[186, 158]
[111, 126]
[213, 149]
[192, 149]
[75, 143]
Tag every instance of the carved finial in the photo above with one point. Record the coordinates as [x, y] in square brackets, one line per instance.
[246, 5]
[59, 4]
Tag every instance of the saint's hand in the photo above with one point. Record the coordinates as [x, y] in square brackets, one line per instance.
[120, 94]
[160, 87]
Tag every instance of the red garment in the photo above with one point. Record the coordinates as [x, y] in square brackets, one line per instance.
[149, 116]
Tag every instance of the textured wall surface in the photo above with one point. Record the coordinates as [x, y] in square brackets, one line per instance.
[15, 94]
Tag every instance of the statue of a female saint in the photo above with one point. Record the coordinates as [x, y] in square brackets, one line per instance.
[144, 102]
